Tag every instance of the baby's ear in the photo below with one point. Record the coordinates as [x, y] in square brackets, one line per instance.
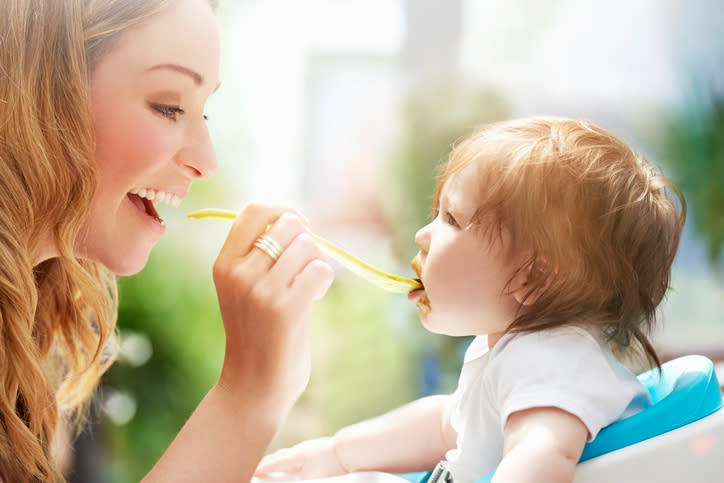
[531, 282]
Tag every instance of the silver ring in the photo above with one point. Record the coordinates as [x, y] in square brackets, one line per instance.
[269, 246]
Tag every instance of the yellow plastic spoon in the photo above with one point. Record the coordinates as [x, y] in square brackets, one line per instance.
[377, 277]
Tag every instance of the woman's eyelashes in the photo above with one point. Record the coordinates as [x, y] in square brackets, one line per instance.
[171, 112]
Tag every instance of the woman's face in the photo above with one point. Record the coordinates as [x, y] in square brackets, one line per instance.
[148, 95]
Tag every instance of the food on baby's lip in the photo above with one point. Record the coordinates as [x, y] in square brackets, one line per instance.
[421, 300]
[415, 264]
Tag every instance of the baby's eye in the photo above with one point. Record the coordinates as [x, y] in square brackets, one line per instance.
[451, 220]
[169, 112]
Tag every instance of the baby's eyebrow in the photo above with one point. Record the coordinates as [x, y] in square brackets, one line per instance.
[449, 204]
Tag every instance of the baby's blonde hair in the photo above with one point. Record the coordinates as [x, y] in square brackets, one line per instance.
[57, 319]
[595, 223]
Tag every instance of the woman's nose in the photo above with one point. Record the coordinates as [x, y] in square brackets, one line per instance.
[198, 158]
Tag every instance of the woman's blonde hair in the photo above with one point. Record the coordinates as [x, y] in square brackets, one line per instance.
[594, 222]
[57, 319]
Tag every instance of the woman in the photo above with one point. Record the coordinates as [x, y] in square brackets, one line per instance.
[101, 118]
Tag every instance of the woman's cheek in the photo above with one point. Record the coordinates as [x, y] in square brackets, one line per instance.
[145, 146]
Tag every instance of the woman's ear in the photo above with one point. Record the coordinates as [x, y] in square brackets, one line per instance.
[531, 282]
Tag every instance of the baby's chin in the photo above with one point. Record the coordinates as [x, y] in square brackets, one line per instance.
[423, 304]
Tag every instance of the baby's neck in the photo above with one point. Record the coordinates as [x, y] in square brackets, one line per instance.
[494, 338]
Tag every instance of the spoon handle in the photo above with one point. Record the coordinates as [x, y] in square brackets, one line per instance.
[377, 277]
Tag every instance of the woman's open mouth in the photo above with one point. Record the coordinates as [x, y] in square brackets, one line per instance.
[146, 206]
[145, 200]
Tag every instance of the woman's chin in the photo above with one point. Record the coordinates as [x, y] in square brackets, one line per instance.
[129, 264]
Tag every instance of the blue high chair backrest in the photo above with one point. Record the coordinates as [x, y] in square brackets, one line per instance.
[686, 390]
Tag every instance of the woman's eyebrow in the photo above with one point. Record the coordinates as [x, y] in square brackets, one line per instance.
[197, 78]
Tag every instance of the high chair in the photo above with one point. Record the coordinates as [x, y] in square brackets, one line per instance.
[679, 438]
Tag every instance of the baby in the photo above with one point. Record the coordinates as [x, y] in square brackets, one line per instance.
[552, 244]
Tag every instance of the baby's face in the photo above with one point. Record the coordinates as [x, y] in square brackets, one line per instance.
[464, 273]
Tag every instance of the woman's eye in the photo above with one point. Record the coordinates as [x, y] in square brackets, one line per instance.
[169, 112]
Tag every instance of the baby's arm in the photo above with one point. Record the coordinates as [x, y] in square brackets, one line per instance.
[541, 445]
[412, 438]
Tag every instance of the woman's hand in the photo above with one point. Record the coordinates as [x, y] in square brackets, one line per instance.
[315, 458]
[265, 305]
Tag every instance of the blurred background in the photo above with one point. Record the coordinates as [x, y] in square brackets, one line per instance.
[342, 108]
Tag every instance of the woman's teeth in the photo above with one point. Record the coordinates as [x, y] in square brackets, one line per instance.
[157, 196]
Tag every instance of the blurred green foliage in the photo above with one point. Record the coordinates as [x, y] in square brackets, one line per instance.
[434, 119]
[692, 142]
[362, 365]
[174, 307]
[689, 140]
[371, 344]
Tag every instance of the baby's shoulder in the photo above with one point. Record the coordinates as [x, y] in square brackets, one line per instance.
[559, 340]
[563, 353]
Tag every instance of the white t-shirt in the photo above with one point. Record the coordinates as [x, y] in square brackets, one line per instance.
[568, 368]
